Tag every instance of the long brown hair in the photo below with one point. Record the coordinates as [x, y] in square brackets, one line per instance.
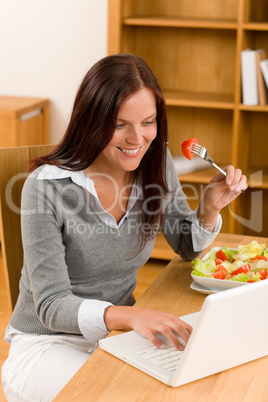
[93, 121]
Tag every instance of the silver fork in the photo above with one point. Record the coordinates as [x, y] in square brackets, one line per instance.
[203, 153]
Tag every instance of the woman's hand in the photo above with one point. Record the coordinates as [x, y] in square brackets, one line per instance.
[222, 190]
[219, 193]
[148, 323]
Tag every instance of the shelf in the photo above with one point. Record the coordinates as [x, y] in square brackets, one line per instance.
[204, 177]
[256, 26]
[257, 108]
[171, 22]
[199, 99]
[200, 176]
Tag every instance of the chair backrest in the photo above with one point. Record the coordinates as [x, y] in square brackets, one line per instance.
[13, 172]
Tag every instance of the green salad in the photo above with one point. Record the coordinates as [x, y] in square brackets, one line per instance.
[249, 263]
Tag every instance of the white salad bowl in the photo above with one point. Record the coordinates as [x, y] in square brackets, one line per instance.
[216, 284]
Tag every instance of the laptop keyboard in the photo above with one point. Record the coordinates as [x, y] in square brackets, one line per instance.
[166, 356]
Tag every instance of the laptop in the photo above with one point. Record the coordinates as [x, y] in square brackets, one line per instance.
[231, 329]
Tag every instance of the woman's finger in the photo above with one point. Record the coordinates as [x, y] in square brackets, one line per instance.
[171, 330]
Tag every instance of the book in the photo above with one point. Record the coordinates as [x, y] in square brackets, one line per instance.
[249, 77]
[264, 70]
[262, 89]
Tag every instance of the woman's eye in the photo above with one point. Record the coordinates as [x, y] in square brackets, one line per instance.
[120, 125]
[148, 123]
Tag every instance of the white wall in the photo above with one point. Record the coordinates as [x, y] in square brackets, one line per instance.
[46, 47]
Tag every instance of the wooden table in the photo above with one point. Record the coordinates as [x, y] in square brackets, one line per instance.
[105, 378]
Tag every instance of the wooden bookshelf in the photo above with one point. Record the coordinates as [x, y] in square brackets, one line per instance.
[199, 99]
[194, 48]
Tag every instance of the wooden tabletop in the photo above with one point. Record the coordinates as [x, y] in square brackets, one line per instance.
[105, 378]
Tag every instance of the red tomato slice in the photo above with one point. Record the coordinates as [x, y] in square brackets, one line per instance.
[218, 261]
[186, 147]
[263, 273]
[245, 268]
[221, 255]
[258, 258]
[220, 273]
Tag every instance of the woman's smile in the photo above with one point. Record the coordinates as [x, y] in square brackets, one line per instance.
[130, 151]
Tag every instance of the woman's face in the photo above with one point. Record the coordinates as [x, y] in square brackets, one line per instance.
[136, 129]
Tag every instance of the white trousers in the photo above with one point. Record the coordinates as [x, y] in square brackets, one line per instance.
[39, 366]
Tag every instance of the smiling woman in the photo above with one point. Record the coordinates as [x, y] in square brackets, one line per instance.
[90, 213]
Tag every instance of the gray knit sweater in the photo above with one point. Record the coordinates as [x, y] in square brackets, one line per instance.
[71, 255]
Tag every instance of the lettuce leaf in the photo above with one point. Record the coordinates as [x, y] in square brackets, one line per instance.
[239, 277]
[204, 268]
[254, 276]
[251, 250]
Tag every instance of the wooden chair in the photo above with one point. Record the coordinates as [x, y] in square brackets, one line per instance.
[13, 171]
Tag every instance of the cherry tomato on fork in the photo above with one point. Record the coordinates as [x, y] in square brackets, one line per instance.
[186, 147]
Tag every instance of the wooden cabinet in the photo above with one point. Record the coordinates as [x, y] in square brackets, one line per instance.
[194, 48]
[23, 121]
